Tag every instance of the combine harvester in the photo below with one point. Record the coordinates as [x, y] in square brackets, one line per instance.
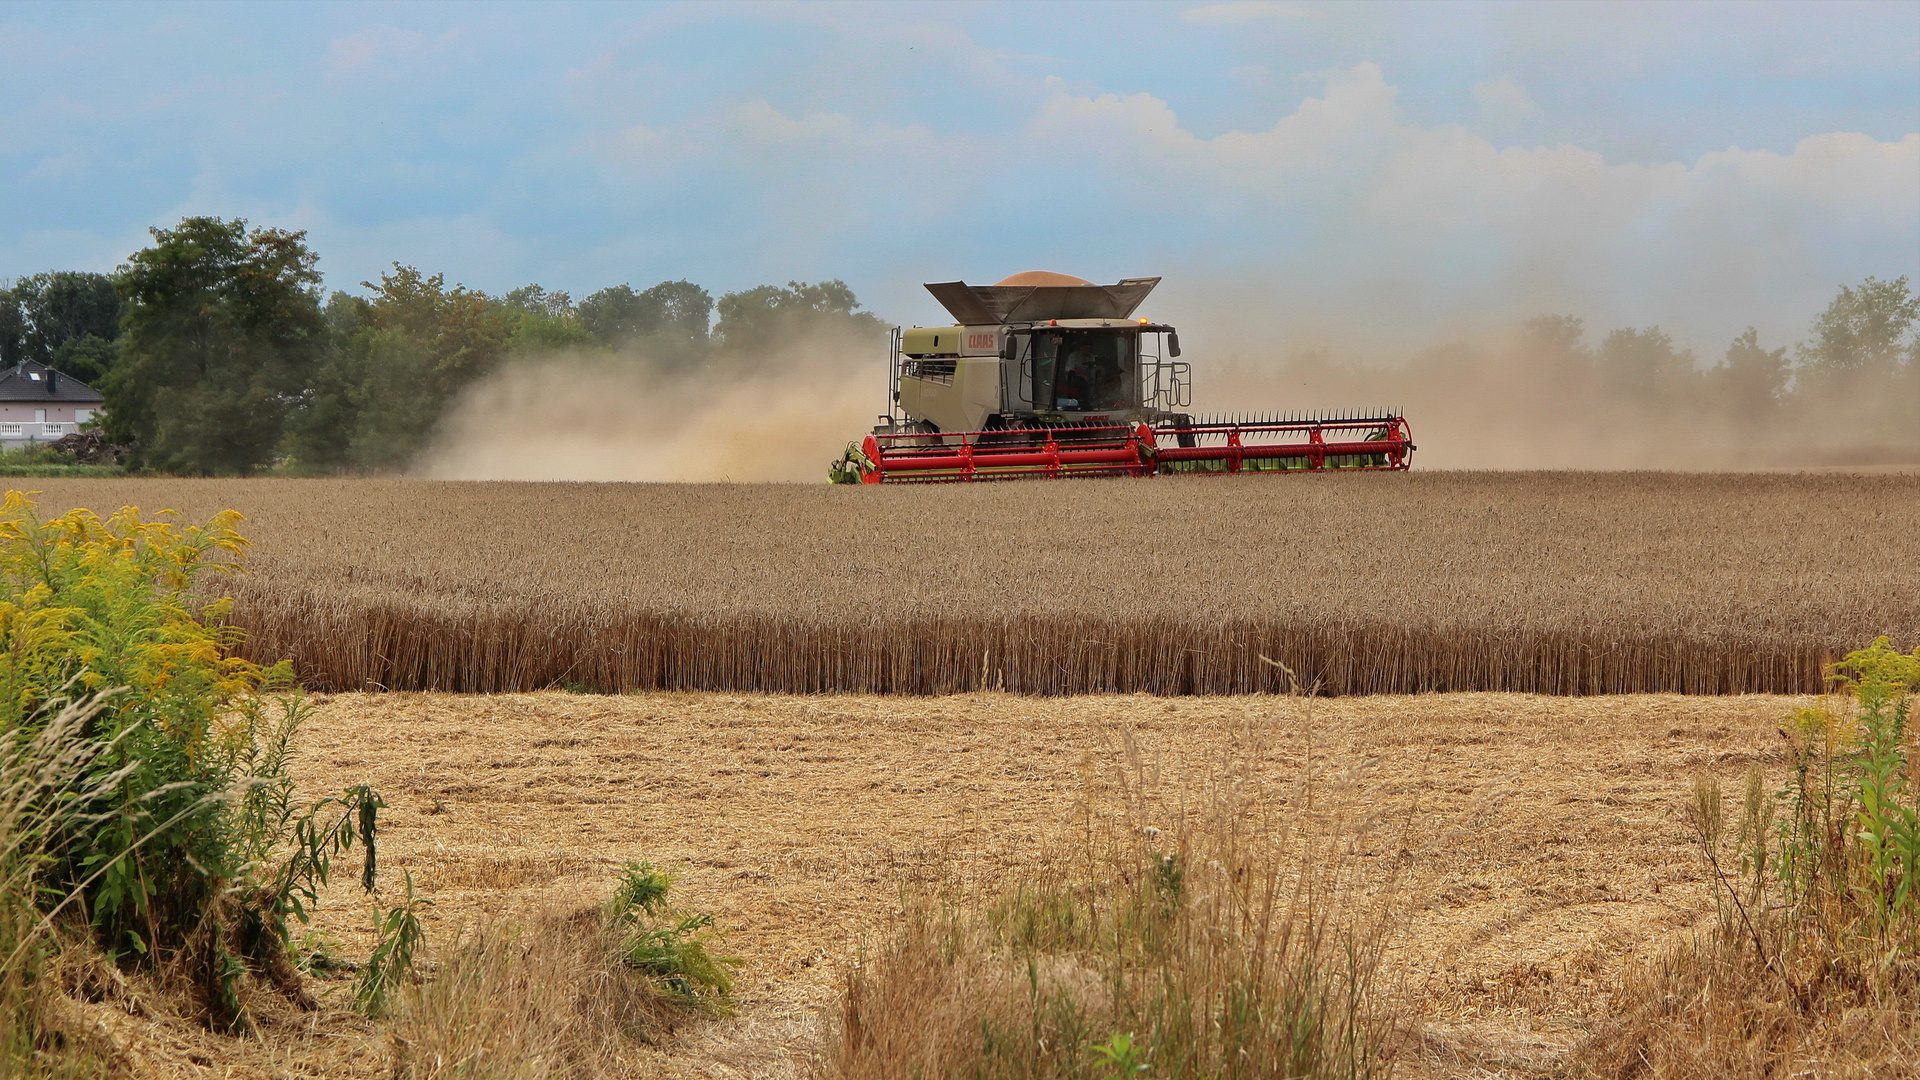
[1046, 375]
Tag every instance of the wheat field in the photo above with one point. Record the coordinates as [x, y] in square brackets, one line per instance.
[1563, 583]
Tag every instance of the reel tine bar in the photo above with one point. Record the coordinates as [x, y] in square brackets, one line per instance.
[1377, 442]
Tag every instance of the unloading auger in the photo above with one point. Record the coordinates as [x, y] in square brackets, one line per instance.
[1045, 375]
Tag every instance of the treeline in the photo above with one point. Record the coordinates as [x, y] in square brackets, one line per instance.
[67, 319]
[218, 352]
[1552, 394]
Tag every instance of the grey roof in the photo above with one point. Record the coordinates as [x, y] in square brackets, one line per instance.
[31, 380]
[976, 305]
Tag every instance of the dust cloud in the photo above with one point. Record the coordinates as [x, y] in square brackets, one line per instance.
[1554, 393]
[781, 416]
[1547, 392]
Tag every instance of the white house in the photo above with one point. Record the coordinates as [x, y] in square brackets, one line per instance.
[39, 404]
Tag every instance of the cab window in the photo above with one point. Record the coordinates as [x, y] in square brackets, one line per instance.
[1079, 370]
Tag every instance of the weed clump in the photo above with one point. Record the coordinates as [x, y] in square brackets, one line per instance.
[667, 945]
[564, 996]
[145, 799]
[1176, 938]
[1813, 961]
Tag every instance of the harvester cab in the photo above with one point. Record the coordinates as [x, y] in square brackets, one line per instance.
[1046, 375]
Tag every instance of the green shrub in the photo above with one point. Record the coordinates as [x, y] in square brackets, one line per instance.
[1838, 875]
[69, 472]
[178, 840]
[44, 460]
[667, 945]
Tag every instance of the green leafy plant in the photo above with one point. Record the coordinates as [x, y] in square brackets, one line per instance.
[1121, 1057]
[1885, 790]
[1846, 855]
[1814, 959]
[392, 961]
[668, 945]
[179, 840]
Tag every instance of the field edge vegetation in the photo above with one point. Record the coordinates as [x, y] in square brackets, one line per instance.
[1812, 962]
[154, 851]
[1178, 934]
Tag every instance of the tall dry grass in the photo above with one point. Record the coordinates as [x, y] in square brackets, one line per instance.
[1564, 583]
[566, 995]
[528, 1002]
[1183, 931]
[1812, 967]
[46, 779]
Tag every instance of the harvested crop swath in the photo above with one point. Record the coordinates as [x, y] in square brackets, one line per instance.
[1563, 583]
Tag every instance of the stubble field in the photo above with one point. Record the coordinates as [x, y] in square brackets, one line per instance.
[1535, 841]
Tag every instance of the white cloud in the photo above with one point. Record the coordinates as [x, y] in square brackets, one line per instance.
[1356, 220]
[371, 45]
[1344, 201]
[1334, 134]
[1244, 11]
[1255, 75]
[813, 181]
[58, 168]
[380, 51]
[1504, 102]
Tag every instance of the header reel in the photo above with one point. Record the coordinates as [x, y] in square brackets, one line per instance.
[1378, 441]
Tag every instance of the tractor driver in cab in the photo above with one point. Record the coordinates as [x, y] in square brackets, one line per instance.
[1107, 391]
[1074, 389]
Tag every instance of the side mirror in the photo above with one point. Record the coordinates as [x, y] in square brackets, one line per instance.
[1011, 350]
[1173, 343]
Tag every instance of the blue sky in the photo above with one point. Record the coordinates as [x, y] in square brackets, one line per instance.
[1360, 177]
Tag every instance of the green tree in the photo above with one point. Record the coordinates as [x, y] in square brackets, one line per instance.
[535, 300]
[1868, 330]
[86, 358]
[1751, 382]
[758, 319]
[1643, 368]
[13, 328]
[617, 315]
[1550, 367]
[1555, 346]
[67, 318]
[544, 321]
[669, 321]
[1860, 375]
[223, 335]
[686, 312]
[320, 432]
[401, 357]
